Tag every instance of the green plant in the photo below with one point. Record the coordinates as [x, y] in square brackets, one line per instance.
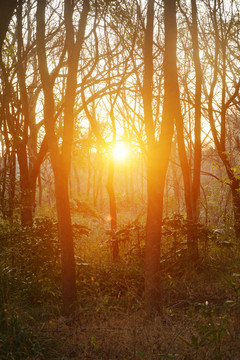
[210, 329]
[19, 340]
[29, 263]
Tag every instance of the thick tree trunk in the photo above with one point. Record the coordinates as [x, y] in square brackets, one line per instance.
[158, 152]
[66, 242]
[153, 226]
[155, 189]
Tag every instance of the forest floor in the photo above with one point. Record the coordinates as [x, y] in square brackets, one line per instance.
[200, 316]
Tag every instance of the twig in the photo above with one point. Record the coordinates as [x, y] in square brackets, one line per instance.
[172, 341]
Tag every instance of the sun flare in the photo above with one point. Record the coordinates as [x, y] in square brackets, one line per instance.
[120, 151]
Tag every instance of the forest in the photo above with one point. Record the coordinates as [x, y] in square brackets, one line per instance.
[120, 179]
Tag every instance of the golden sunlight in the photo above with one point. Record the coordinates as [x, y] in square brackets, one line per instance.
[120, 151]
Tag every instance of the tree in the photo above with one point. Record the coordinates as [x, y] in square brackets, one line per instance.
[61, 160]
[18, 102]
[158, 151]
[224, 71]
[191, 183]
[6, 13]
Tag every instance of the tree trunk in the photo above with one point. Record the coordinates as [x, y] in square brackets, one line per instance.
[197, 130]
[192, 239]
[61, 160]
[39, 189]
[191, 186]
[3, 186]
[155, 190]
[6, 12]
[158, 152]
[12, 182]
[236, 206]
[66, 242]
[113, 208]
[25, 188]
[89, 180]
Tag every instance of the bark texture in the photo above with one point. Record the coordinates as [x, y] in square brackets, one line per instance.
[158, 150]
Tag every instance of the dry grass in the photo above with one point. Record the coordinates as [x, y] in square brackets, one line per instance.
[198, 305]
[132, 336]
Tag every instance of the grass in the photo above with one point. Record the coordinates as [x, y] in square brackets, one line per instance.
[200, 317]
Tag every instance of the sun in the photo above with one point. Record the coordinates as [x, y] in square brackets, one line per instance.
[120, 151]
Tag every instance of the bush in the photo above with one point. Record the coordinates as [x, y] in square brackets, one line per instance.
[30, 263]
[19, 340]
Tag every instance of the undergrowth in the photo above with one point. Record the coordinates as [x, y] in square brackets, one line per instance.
[200, 317]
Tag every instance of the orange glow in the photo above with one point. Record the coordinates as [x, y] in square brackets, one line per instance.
[120, 151]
